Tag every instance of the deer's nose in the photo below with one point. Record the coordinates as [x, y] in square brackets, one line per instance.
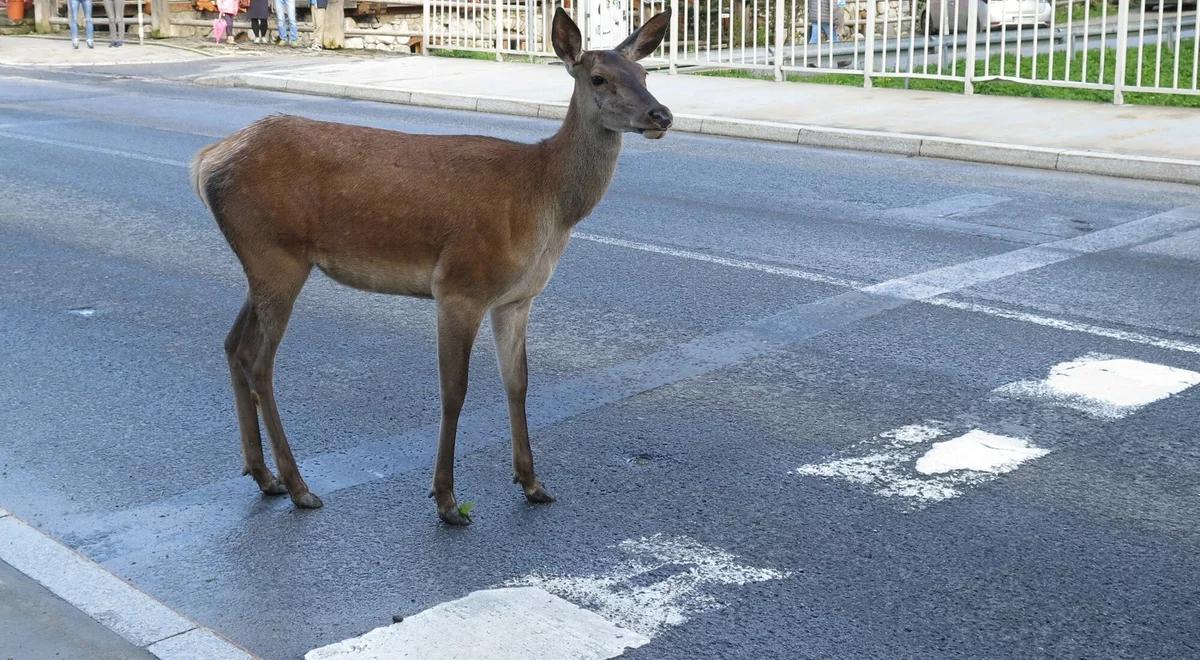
[661, 117]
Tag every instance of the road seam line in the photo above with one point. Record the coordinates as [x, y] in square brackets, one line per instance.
[113, 602]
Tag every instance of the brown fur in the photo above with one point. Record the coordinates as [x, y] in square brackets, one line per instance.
[476, 223]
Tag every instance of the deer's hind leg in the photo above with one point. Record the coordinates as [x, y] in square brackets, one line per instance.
[275, 281]
[241, 345]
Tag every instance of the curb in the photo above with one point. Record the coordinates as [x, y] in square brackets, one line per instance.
[904, 144]
[116, 604]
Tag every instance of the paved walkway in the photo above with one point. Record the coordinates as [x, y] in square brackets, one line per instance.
[1138, 141]
[38, 51]
[1133, 141]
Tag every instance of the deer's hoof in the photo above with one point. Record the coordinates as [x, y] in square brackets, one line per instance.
[538, 495]
[454, 517]
[276, 487]
[307, 500]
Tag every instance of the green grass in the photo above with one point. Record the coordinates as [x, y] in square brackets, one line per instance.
[1008, 88]
[489, 55]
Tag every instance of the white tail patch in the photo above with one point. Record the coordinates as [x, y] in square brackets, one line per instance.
[523, 622]
[663, 583]
[907, 464]
[1104, 386]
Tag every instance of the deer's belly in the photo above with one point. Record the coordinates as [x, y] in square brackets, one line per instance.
[393, 278]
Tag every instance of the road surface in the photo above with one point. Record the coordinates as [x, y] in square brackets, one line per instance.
[793, 402]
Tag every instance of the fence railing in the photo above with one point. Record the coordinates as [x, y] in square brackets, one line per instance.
[1114, 45]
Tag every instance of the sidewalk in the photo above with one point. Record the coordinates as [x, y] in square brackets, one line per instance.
[56, 603]
[35, 623]
[1146, 142]
[1132, 141]
[56, 51]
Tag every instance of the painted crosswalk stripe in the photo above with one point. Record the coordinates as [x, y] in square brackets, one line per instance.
[1104, 386]
[906, 463]
[661, 582]
[687, 571]
[512, 622]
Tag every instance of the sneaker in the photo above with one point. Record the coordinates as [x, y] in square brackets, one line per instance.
[90, 44]
[113, 44]
[294, 43]
[120, 42]
[75, 44]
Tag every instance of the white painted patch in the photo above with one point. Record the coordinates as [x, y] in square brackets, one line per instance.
[907, 464]
[979, 451]
[82, 311]
[662, 584]
[517, 623]
[1105, 386]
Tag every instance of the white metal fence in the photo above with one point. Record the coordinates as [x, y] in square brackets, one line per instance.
[1113, 45]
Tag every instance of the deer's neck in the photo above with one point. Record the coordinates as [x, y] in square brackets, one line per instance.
[582, 158]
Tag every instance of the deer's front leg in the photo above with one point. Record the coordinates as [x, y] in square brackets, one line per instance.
[508, 324]
[458, 323]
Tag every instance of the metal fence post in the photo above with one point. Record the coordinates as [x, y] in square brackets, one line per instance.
[972, 46]
[673, 55]
[1122, 47]
[779, 31]
[499, 29]
[869, 64]
[426, 10]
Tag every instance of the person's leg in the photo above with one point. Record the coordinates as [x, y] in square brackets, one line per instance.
[110, 12]
[814, 33]
[281, 19]
[73, 16]
[87, 15]
[293, 35]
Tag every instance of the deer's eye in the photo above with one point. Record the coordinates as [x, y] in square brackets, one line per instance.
[598, 80]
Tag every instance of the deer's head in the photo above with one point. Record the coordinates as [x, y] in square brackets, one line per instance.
[610, 86]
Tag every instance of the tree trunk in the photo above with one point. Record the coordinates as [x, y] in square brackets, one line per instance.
[42, 11]
[160, 18]
[335, 28]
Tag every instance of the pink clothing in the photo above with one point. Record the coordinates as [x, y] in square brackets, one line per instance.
[227, 6]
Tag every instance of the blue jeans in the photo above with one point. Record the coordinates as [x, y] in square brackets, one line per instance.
[815, 29]
[285, 19]
[86, 7]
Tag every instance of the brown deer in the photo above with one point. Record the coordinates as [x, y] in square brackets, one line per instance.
[478, 226]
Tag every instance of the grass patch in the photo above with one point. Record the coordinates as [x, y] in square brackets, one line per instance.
[489, 55]
[1148, 69]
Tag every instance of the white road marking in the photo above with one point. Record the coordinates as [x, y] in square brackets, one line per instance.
[743, 264]
[924, 295]
[979, 451]
[625, 596]
[514, 622]
[82, 311]
[1104, 386]
[92, 148]
[901, 463]
[1069, 326]
[116, 604]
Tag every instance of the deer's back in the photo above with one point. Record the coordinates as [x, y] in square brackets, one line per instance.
[376, 209]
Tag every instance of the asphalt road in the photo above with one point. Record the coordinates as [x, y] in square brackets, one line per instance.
[732, 311]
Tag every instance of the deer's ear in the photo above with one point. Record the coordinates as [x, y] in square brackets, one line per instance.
[568, 43]
[646, 38]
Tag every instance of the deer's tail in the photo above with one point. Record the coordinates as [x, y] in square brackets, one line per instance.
[200, 170]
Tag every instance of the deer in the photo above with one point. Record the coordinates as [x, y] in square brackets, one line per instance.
[356, 210]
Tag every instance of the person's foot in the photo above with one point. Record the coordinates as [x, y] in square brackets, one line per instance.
[90, 44]
[120, 42]
[316, 46]
[229, 40]
[294, 43]
[75, 44]
[112, 44]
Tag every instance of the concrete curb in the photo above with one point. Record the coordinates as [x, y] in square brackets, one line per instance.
[117, 605]
[1062, 160]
